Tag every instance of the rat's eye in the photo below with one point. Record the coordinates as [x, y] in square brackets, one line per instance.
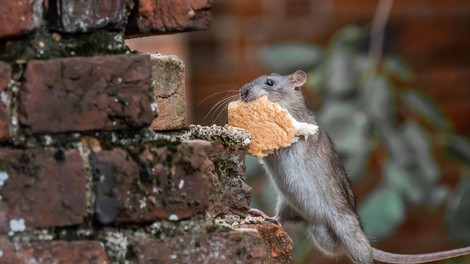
[269, 82]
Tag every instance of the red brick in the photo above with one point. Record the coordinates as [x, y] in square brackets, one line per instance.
[5, 74]
[161, 16]
[168, 82]
[80, 252]
[166, 182]
[44, 187]
[229, 192]
[114, 172]
[86, 93]
[20, 17]
[239, 8]
[299, 8]
[72, 16]
[228, 247]
[278, 243]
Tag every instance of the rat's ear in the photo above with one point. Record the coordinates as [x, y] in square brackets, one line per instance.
[297, 79]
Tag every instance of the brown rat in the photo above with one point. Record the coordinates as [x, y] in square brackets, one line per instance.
[312, 182]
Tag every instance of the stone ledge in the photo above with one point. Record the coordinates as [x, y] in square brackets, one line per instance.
[231, 137]
[278, 243]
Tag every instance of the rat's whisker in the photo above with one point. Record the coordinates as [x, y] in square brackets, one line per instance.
[224, 101]
[216, 106]
[223, 106]
[220, 104]
[198, 103]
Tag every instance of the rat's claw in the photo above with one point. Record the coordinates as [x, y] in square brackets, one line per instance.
[257, 212]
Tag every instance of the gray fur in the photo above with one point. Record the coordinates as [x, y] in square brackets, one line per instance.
[311, 179]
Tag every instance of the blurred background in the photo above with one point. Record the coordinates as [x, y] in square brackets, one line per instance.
[389, 81]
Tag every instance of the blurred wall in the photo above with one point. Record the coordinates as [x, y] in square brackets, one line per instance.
[433, 36]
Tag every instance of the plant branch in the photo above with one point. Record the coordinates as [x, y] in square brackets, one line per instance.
[378, 31]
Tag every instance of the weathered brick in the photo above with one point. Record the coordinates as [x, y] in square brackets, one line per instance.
[5, 74]
[72, 16]
[160, 17]
[168, 81]
[42, 187]
[165, 182]
[227, 247]
[229, 192]
[86, 93]
[20, 17]
[81, 252]
[278, 243]
[114, 172]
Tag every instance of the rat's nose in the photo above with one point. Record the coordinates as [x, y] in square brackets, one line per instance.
[244, 92]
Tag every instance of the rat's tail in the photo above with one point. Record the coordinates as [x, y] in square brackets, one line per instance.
[388, 257]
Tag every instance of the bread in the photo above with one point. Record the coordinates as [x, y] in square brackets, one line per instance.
[271, 126]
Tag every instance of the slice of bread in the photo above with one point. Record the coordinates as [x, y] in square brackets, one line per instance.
[271, 126]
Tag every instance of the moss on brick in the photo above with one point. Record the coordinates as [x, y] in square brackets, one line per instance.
[45, 45]
[234, 138]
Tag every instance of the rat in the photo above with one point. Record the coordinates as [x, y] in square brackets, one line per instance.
[312, 183]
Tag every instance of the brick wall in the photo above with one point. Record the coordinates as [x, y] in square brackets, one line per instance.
[83, 178]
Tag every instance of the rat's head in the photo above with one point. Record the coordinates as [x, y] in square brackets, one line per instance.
[279, 89]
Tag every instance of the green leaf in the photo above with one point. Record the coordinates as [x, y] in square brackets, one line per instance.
[346, 126]
[348, 129]
[419, 140]
[382, 212]
[377, 99]
[458, 212]
[316, 79]
[286, 58]
[363, 63]
[398, 68]
[437, 197]
[424, 106]
[396, 144]
[347, 36]
[417, 137]
[460, 148]
[356, 164]
[403, 182]
[340, 75]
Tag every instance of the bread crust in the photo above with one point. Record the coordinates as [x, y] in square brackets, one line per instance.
[271, 126]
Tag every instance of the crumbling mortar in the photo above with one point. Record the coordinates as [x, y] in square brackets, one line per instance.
[84, 152]
[231, 137]
[12, 92]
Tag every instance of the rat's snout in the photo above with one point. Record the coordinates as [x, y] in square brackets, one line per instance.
[250, 92]
[245, 93]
